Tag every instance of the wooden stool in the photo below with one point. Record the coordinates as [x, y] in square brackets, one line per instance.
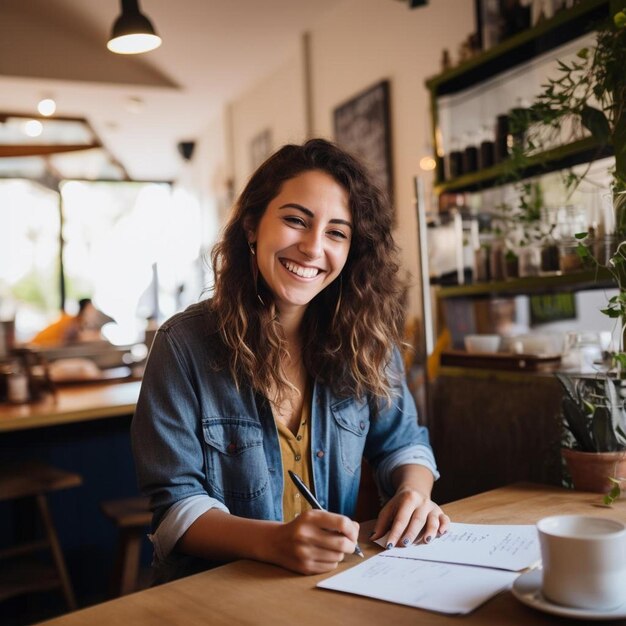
[33, 480]
[132, 516]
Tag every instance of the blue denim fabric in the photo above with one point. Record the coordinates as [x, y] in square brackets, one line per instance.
[194, 433]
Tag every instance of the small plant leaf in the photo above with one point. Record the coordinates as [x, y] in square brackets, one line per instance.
[613, 495]
[596, 123]
[568, 385]
[610, 312]
[602, 429]
[577, 422]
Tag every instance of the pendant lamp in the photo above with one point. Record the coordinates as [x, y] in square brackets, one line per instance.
[132, 32]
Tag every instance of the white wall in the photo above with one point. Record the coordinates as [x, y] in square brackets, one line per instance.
[209, 175]
[359, 43]
[276, 103]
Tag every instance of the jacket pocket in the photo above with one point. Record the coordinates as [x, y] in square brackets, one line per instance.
[235, 458]
[352, 423]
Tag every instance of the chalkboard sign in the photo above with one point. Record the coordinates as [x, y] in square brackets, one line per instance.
[362, 127]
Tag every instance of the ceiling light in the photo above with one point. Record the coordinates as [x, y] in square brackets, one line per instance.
[33, 128]
[427, 163]
[47, 107]
[132, 31]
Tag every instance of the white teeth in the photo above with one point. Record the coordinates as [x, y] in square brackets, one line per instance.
[303, 272]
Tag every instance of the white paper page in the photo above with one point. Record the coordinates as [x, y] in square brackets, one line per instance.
[441, 587]
[510, 547]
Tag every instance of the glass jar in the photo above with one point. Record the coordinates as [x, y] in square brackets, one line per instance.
[570, 220]
[17, 384]
[604, 248]
[582, 352]
[496, 259]
[529, 259]
[511, 264]
[569, 260]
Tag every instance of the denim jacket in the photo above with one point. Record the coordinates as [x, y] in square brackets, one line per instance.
[201, 443]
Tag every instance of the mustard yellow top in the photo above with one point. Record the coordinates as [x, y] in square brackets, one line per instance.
[295, 452]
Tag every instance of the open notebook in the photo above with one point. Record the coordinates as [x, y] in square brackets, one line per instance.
[453, 574]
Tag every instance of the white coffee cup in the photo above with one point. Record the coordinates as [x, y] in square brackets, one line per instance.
[584, 561]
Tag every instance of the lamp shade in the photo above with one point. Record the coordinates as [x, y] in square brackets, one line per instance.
[132, 32]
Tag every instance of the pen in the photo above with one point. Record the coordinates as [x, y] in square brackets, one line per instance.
[310, 498]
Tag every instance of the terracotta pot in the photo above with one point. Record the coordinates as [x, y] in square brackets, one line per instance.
[590, 471]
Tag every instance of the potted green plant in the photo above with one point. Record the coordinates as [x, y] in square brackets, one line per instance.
[588, 96]
[594, 442]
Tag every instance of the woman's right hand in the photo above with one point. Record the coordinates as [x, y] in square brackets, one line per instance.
[313, 543]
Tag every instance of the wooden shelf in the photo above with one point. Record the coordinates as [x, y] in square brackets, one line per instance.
[581, 151]
[549, 34]
[576, 281]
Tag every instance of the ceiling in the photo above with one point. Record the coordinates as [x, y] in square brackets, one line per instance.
[141, 106]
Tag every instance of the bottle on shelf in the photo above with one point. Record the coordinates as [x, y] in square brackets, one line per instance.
[517, 117]
[455, 160]
[470, 153]
[446, 60]
[486, 153]
[492, 23]
[17, 384]
[517, 16]
[496, 258]
[501, 148]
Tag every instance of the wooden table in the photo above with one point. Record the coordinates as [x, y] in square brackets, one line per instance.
[76, 403]
[247, 592]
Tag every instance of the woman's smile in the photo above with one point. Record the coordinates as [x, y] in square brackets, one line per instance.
[300, 270]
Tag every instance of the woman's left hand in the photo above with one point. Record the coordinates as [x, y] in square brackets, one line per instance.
[408, 516]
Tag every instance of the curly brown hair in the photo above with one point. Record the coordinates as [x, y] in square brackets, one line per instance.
[350, 328]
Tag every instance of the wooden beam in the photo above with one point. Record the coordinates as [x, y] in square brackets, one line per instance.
[24, 150]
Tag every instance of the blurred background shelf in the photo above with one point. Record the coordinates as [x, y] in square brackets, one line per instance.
[576, 281]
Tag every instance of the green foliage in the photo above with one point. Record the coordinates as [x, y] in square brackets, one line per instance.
[594, 413]
[615, 492]
[522, 223]
[597, 74]
[588, 96]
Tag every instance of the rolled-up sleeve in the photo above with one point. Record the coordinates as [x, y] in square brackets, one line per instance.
[177, 519]
[396, 438]
[419, 454]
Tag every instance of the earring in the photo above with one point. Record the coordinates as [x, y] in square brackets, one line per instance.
[254, 267]
[338, 304]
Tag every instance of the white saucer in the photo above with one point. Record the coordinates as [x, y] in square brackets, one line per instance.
[527, 589]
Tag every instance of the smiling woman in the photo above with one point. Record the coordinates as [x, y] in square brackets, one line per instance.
[292, 365]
